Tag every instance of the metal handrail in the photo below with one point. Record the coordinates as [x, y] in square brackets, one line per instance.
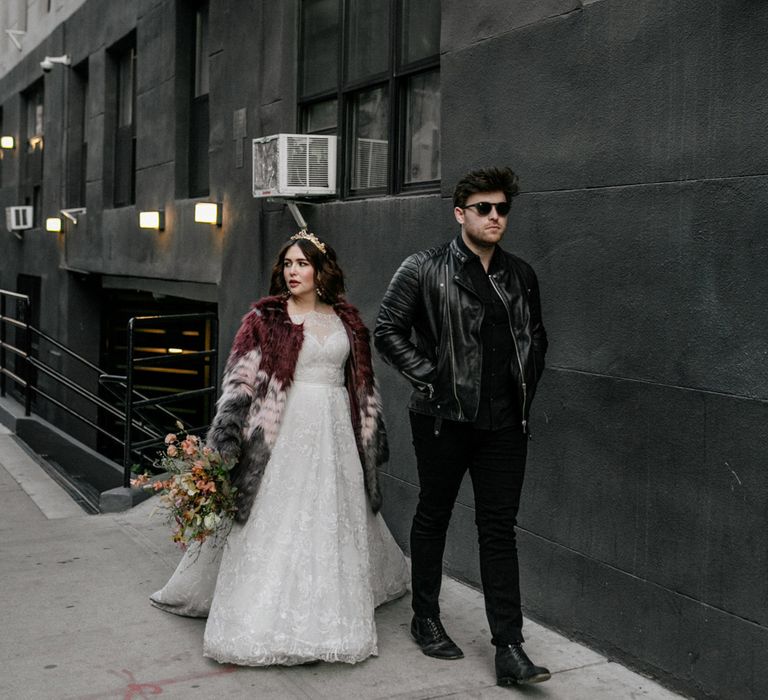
[106, 379]
[24, 352]
[135, 402]
[131, 404]
[174, 356]
[16, 378]
[74, 413]
[69, 384]
[160, 440]
[84, 393]
[14, 295]
[13, 321]
[172, 398]
[12, 348]
[71, 353]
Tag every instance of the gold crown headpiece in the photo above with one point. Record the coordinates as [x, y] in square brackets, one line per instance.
[307, 236]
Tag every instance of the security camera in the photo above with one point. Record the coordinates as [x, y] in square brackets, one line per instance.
[48, 62]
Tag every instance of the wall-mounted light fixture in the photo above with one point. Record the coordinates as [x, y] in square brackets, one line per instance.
[13, 35]
[7, 143]
[152, 220]
[53, 224]
[74, 214]
[208, 213]
[48, 62]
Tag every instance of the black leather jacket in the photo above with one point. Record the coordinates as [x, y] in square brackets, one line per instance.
[432, 295]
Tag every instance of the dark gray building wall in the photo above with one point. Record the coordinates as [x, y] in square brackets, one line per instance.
[638, 132]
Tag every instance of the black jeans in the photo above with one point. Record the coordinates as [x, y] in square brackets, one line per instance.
[496, 463]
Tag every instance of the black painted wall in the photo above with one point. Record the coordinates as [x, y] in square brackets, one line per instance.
[637, 129]
[638, 132]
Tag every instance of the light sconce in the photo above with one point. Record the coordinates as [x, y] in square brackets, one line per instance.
[49, 61]
[208, 213]
[7, 143]
[152, 220]
[13, 35]
[53, 224]
[74, 214]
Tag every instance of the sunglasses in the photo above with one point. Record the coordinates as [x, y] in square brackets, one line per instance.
[484, 208]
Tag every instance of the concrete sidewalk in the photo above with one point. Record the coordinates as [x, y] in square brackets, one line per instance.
[76, 622]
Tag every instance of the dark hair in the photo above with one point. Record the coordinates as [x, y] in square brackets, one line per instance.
[486, 180]
[329, 279]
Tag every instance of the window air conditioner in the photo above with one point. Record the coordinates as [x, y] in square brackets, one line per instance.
[290, 165]
[18, 218]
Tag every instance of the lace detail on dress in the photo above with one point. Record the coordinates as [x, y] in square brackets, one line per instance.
[319, 325]
[323, 363]
[300, 579]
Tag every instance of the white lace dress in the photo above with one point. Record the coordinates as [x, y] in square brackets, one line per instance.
[299, 581]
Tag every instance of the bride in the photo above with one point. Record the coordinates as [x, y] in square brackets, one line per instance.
[309, 556]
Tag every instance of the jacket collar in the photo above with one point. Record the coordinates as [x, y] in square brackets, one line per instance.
[464, 255]
[460, 251]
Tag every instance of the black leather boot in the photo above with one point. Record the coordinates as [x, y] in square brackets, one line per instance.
[430, 635]
[513, 666]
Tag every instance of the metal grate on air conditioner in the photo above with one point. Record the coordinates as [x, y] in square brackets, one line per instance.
[307, 158]
[318, 162]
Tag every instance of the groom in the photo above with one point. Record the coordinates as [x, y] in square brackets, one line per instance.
[462, 322]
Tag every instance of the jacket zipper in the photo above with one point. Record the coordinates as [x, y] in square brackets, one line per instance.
[517, 350]
[450, 339]
[419, 382]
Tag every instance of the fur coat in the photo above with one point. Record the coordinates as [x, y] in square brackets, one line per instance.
[257, 378]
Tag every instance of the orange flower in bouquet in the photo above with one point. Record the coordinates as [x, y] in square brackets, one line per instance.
[196, 488]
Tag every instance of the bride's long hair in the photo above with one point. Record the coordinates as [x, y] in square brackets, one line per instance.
[329, 279]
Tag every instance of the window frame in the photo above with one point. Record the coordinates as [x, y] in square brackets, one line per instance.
[77, 135]
[198, 161]
[123, 133]
[33, 150]
[395, 78]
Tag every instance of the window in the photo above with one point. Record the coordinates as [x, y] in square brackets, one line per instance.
[125, 132]
[199, 118]
[31, 189]
[77, 141]
[370, 73]
[192, 58]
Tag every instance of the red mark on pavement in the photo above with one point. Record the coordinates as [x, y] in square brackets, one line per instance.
[136, 689]
[140, 690]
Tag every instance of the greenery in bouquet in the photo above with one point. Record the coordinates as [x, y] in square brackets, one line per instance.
[195, 489]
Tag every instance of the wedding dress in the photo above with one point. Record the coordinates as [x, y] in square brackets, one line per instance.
[298, 581]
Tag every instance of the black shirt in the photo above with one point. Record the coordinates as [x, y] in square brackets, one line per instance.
[498, 397]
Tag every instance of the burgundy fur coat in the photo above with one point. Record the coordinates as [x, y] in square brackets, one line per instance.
[258, 375]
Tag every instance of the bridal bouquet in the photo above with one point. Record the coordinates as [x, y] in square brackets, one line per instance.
[197, 492]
